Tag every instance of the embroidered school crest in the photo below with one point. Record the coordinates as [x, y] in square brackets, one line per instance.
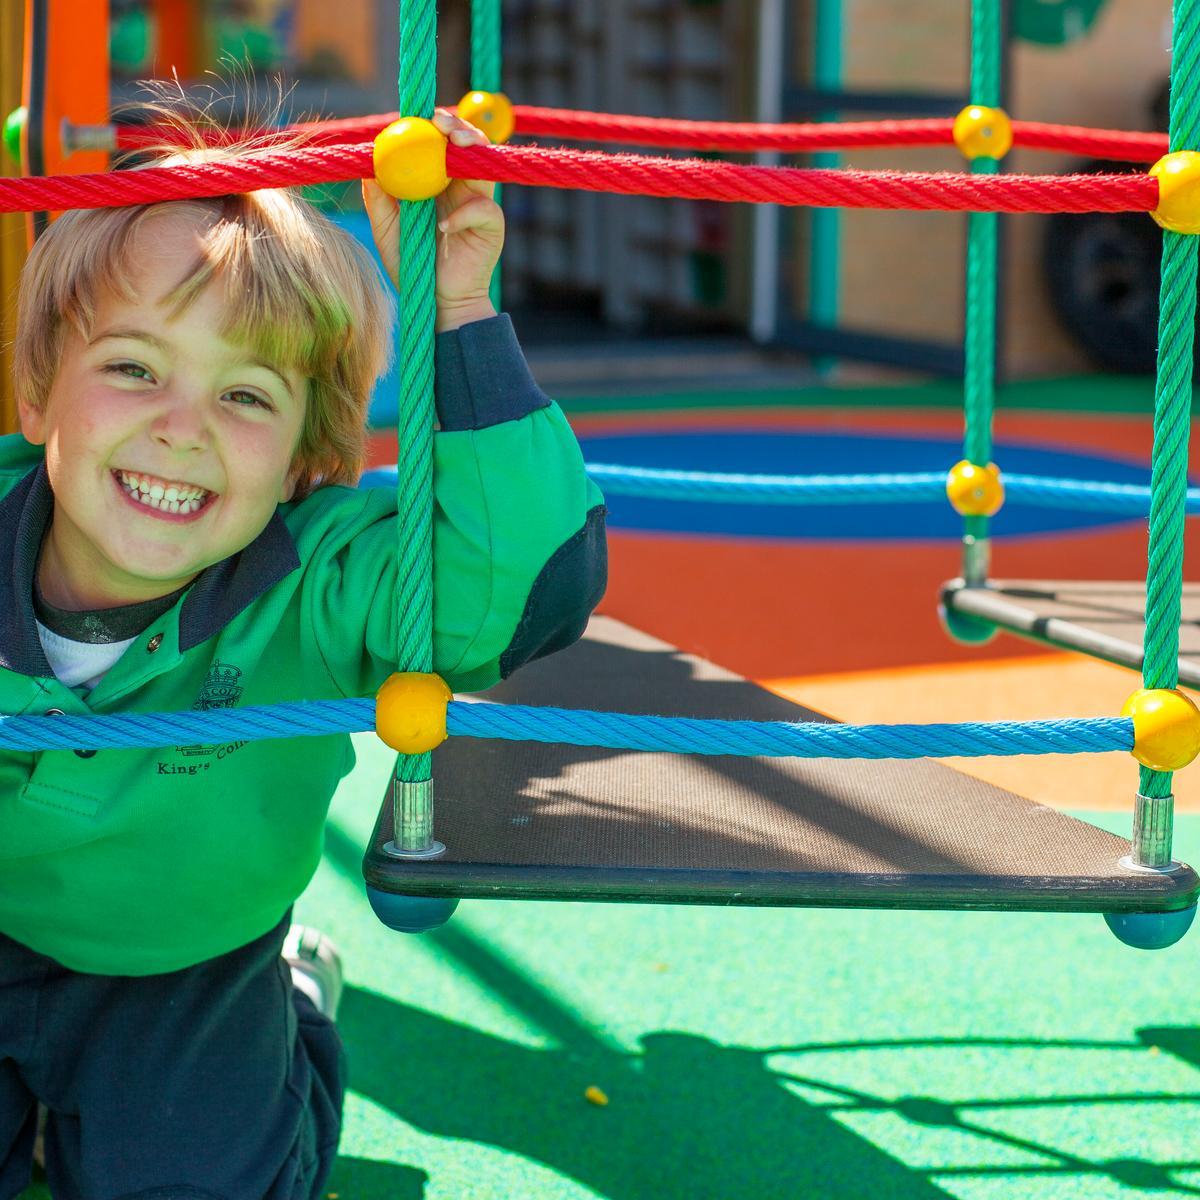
[222, 688]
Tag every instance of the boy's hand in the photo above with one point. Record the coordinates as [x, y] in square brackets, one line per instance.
[469, 240]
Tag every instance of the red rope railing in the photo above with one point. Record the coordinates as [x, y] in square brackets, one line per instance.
[730, 135]
[590, 170]
[703, 179]
[1113, 144]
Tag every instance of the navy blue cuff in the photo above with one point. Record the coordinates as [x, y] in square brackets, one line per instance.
[481, 377]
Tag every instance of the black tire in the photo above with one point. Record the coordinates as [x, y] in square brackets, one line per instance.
[1103, 273]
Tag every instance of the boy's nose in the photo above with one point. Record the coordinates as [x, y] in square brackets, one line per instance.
[181, 422]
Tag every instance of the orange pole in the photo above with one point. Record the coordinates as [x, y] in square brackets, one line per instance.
[12, 225]
[65, 76]
[178, 39]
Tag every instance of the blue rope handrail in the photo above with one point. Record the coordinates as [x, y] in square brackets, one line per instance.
[1121, 499]
[616, 731]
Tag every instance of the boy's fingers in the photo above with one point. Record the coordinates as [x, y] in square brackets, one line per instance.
[469, 136]
[460, 132]
[481, 212]
[462, 190]
[379, 205]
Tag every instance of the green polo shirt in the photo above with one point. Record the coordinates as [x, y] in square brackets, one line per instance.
[133, 862]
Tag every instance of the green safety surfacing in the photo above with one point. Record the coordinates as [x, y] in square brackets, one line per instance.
[756, 1053]
[766, 1054]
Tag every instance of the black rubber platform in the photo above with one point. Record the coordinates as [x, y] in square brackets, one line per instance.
[1105, 620]
[524, 820]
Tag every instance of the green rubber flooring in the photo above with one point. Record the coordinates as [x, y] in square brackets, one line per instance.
[753, 1053]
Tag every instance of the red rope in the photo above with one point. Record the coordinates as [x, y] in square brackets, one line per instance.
[112, 189]
[1097, 143]
[731, 135]
[702, 179]
[843, 135]
[590, 170]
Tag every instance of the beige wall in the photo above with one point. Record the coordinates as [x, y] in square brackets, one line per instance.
[1107, 79]
[903, 272]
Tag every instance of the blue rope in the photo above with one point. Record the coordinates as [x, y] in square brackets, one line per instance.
[112, 731]
[809, 739]
[619, 731]
[1121, 499]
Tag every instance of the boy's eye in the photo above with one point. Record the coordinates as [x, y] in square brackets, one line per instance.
[246, 399]
[131, 370]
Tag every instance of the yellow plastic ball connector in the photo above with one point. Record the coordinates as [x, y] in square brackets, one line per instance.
[410, 159]
[1178, 178]
[1166, 728]
[975, 491]
[981, 132]
[490, 111]
[410, 711]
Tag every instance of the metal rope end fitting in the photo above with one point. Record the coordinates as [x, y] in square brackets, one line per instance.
[412, 827]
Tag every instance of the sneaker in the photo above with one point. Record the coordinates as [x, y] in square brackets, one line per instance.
[316, 967]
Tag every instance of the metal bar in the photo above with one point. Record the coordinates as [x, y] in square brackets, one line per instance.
[764, 286]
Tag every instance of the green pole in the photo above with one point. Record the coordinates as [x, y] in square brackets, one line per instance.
[1153, 817]
[486, 76]
[412, 785]
[979, 368]
[825, 223]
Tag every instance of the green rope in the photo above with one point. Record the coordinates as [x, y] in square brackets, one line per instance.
[979, 366]
[485, 77]
[987, 37]
[418, 312]
[1172, 397]
[979, 347]
[485, 45]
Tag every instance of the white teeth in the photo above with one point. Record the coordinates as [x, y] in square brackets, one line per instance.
[173, 498]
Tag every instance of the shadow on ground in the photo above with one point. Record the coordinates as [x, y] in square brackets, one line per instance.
[362, 1178]
[691, 1118]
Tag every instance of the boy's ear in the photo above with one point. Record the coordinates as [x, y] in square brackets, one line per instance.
[33, 422]
[287, 489]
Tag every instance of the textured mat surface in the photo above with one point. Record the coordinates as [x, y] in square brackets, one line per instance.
[567, 822]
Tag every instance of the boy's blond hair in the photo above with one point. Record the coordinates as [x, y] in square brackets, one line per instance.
[301, 293]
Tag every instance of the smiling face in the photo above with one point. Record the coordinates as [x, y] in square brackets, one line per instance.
[168, 447]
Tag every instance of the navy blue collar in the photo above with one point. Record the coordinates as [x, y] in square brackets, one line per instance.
[219, 594]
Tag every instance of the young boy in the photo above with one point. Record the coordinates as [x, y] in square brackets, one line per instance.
[192, 382]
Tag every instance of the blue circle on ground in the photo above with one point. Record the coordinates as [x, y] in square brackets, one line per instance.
[821, 452]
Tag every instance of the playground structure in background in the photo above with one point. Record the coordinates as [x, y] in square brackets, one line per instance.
[1152, 898]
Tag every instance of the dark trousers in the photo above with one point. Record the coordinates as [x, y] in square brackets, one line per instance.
[218, 1082]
